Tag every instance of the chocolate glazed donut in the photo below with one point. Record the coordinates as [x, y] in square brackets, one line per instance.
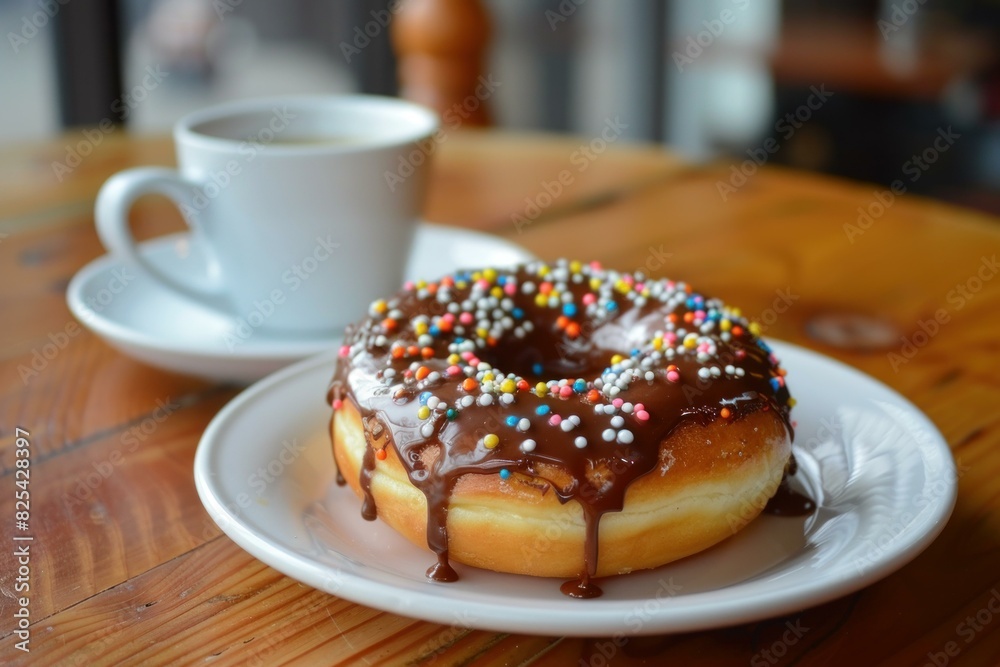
[559, 420]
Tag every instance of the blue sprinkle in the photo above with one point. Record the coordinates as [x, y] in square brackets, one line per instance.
[504, 473]
[511, 421]
[579, 386]
[569, 309]
[542, 410]
[434, 331]
[501, 280]
[775, 384]
[635, 352]
[537, 369]
[459, 339]
[612, 305]
[517, 313]
[424, 396]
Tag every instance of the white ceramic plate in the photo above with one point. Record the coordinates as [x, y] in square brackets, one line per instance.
[882, 475]
[151, 323]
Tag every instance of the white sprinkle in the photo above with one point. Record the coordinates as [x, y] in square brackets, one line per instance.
[381, 340]
[614, 391]
[625, 437]
[524, 424]
[608, 435]
[575, 420]
[580, 442]
[740, 372]
[390, 372]
[566, 425]
[433, 377]
[609, 409]
[507, 399]
[528, 287]
[617, 421]
[650, 376]
[427, 430]
[467, 401]
[704, 373]
[433, 401]
[627, 408]
[528, 445]
[486, 399]
[716, 371]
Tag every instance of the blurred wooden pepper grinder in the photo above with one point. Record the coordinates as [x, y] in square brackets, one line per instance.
[440, 46]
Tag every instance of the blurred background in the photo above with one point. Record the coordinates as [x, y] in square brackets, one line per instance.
[873, 90]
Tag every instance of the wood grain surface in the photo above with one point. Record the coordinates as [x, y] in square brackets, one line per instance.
[127, 568]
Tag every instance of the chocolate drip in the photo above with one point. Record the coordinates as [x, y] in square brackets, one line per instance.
[789, 502]
[334, 394]
[597, 475]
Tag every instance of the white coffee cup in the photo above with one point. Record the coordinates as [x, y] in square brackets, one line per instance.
[305, 206]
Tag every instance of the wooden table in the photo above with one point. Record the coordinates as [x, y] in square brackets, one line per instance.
[127, 568]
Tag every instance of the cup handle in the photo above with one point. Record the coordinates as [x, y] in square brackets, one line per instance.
[114, 201]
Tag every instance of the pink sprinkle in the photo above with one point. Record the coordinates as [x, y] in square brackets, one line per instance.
[483, 283]
[467, 355]
[642, 415]
[595, 265]
[448, 317]
[345, 350]
[510, 289]
[474, 361]
[337, 404]
[673, 376]
[555, 420]
[453, 370]
[699, 314]
[640, 286]
[670, 338]
[589, 298]
[617, 402]
[565, 391]
[628, 279]
[408, 285]
[639, 406]
[465, 318]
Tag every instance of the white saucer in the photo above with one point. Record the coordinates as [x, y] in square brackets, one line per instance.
[149, 322]
[882, 475]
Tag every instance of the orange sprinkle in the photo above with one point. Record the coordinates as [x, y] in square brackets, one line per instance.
[671, 367]
[444, 325]
[724, 413]
[427, 352]
[389, 324]
[522, 385]
[397, 352]
[737, 331]
[572, 329]
[593, 396]
[491, 341]
[469, 384]
[562, 321]
[782, 372]
[447, 281]
[432, 288]
[380, 454]
[672, 318]
[545, 288]
[422, 372]
[689, 317]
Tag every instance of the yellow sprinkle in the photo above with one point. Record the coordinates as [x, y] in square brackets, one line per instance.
[725, 325]
[543, 270]
[421, 284]
[658, 343]
[736, 312]
[488, 377]
[595, 283]
[616, 359]
[541, 388]
[491, 440]
[497, 291]
[477, 275]
[490, 275]
[541, 300]
[420, 328]
[424, 412]
[482, 333]
[791, 402]
[380, 306]
[508, 386]
[690, 341]
[755, 328]
[575, 266]
[454, 359]
[461, 284]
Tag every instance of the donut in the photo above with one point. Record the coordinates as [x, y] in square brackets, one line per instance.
[559, 420]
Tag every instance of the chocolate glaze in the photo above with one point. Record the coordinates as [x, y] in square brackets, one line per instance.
[596, 476]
